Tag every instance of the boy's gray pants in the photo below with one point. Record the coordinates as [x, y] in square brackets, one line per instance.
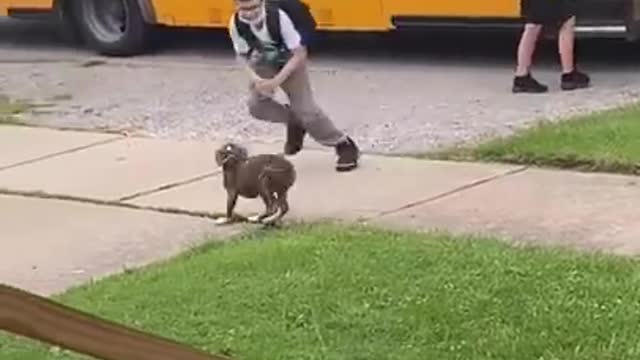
[302, 106]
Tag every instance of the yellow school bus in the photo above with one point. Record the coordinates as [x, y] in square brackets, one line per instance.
[122, 27]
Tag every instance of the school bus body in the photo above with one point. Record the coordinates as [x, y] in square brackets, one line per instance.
[349, 15]
[597, 16]
[358, 15]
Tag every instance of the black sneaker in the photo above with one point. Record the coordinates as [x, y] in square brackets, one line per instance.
[574, 80]
[295, 138]
[348, 154]
[527, 84]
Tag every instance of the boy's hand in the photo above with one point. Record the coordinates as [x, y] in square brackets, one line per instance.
[266, 87]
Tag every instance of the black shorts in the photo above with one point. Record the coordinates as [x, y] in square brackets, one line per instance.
[547, 12]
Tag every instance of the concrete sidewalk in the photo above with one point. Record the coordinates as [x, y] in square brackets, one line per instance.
[91, 204]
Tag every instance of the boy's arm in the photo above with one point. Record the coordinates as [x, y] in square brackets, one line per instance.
[299, 56]
[294, 43]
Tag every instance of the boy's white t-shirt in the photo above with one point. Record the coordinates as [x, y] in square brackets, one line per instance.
[290, 35]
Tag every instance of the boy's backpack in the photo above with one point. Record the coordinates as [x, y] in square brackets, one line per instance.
[297, 10]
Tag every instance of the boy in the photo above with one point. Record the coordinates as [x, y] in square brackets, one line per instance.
[555, 13]
[279, 59]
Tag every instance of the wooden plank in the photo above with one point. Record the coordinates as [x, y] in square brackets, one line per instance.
[39, 318]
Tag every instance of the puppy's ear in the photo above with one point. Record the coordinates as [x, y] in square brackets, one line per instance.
[221, 154]
[224, 157]
[241, 152]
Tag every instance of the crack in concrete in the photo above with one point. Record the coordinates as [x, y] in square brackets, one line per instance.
[59, 153]
[26, 61]
[215, 215]
[49, 196]
[445, 194]
[168, 186]
[124, 132]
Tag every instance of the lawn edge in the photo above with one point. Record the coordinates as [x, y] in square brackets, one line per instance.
[257, 234]
[489, 150]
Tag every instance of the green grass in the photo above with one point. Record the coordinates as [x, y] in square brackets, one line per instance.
[9, 111]
[325, 292]
[605, 141]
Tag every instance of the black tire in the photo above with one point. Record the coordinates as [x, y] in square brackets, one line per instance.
[119, 31]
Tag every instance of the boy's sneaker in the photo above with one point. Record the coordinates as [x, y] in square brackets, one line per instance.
[348, 154]
[527, 84]
[295, 138]
[574, 80]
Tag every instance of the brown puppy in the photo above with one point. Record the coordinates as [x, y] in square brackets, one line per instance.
[266, 175]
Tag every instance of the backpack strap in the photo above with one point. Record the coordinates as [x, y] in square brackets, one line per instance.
[273, 23]
[245, 32]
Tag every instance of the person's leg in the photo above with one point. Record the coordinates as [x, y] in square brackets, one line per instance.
[265, 108]
[526, 48]
[316, 122]
[566, 41]
[534, 12]
[523, 81]
[571, 78]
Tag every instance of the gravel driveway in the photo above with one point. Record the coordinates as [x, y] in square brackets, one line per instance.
[438, 95]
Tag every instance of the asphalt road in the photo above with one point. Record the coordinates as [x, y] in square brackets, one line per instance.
[393, 93]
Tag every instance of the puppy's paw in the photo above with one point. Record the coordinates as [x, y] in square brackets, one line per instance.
[273, 219]
[223, 220]
[254, 219]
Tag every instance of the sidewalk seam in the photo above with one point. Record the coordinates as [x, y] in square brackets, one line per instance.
[59, 153]
[445, 194]
[168, 186]
[110, 203]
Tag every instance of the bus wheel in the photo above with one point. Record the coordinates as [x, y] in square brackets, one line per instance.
[112, 27]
